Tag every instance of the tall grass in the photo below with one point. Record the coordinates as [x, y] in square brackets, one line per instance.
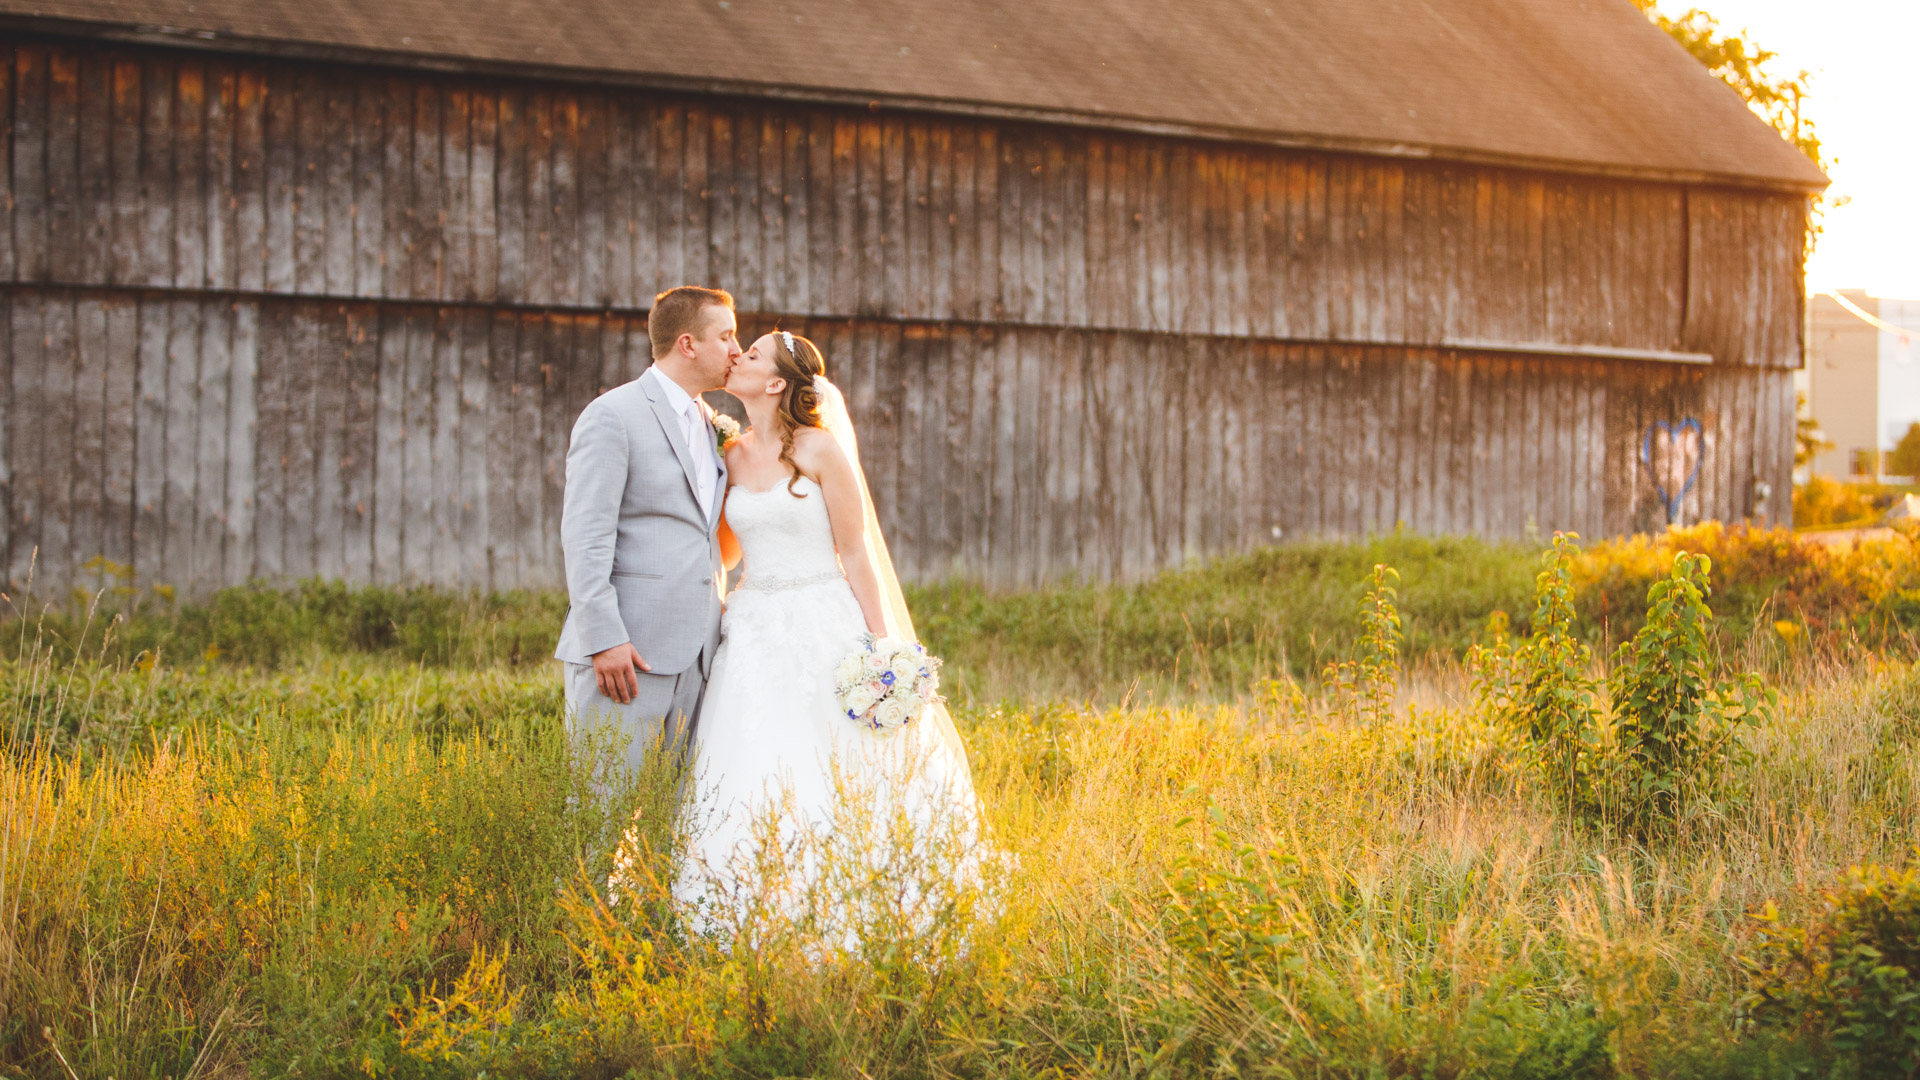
[339, 861]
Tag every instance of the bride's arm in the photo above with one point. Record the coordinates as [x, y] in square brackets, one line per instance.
[848, 517]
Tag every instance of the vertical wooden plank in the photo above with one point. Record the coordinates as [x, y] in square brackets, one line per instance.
[24, 435]
[211, 452]
[335, 181]
[390, 459]
[456, 162]
[965, 219]
[528, 389]
[695, 177]
[983, 458]
[483, 165]
[669, 172]
[620, 208]
[916, 244]
[797, 212]
[9, 199]
[872, 283]
[310, 182]
[368, 144]
[723, 187]
[242, 444]
[510, 198]
[91, 253]
[473, 511]
[843, 217]
[427, 202]
[59, 404]
[249, 178]
[189, 174]
[220, 194]
[571, 268]
[32, 212]
[990, 299]
[445, 472]
[282, 173]
[1051, 191]
[330, 449]
[417, 525]
[360, 402]
[1100, 270]
[300, 532]
[180, 405]
[87, 440]
[271, 451]
[1236, 189]
[504, 451]
[770, 201]
[398, 211]
[45, 148]
[125, 215]
[121, 371]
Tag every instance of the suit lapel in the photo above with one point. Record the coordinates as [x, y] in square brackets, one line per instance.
[670, 424]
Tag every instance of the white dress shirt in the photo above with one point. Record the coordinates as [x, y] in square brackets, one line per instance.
[699, 436]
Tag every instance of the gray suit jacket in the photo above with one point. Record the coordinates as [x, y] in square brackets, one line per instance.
[643, 563]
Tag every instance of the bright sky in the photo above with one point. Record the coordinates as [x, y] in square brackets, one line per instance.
[1865, 101]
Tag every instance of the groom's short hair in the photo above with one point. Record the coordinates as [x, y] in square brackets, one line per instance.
[681, 311]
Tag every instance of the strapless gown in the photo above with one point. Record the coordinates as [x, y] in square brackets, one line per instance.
[781, 776]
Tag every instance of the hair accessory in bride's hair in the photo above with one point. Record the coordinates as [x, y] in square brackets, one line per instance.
[787, 340]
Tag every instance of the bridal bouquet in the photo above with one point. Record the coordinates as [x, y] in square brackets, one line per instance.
[887, 683]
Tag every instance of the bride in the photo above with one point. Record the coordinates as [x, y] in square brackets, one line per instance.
[783, 776]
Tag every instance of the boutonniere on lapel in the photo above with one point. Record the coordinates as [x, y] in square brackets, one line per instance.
[726, 431]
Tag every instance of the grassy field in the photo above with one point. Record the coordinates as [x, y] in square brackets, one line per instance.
[336, 832]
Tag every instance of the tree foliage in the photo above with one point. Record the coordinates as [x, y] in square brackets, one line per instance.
[1905, 459]
[1739, 61]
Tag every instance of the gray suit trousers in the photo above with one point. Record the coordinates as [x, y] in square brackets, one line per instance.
[666, 708]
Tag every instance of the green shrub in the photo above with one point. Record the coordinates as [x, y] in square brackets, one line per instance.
[1848, 980]
[1541, 690]
[1676, 727]
[1363, 686]
[1825, 503]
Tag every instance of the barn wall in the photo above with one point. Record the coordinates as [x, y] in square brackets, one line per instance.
[166, 169]
[207, 440]
[283, 320]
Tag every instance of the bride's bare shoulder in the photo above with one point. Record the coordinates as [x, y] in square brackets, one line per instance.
[813, 440]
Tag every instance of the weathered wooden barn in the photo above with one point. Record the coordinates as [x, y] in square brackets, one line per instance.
[316, 287]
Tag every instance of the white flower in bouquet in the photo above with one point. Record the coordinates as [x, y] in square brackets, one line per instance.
[913, 703]
[848, 672]
[875, 662]
[861, 698]
[906, 668]
[890, 714]
[889, 645]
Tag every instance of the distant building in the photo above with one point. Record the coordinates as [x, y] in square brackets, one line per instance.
[1863, 381]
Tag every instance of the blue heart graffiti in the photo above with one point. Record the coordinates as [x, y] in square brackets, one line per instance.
[1674, 433]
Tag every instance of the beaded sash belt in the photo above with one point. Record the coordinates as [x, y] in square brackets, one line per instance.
[754, 583]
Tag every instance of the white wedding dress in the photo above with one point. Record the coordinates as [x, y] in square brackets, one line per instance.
[781, 775]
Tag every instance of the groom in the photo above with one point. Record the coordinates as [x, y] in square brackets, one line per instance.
[639, 531]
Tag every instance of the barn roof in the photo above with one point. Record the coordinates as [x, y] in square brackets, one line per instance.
[1586, 85]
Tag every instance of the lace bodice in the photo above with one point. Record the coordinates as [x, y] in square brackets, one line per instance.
[784, 539]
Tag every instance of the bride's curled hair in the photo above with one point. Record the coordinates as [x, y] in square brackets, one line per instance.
[800, 402]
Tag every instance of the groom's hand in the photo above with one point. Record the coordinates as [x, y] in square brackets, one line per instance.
[614, 670]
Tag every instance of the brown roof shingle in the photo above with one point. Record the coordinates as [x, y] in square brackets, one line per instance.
[1580, 84]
